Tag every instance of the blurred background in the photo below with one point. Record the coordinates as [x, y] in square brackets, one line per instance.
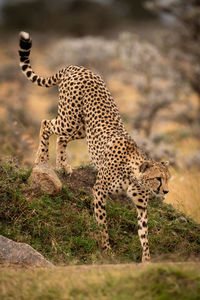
[148, 52]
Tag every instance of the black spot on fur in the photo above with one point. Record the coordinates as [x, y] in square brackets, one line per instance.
[23, 58]
[39, 81]
[28, 74]
[140, 207]
[24, 67]
[144, 224]
[34, 78]
[25, 44]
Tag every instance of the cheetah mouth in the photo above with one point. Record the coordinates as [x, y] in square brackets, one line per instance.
[157, 195]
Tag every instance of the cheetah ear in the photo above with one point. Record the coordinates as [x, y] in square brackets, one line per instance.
[144, 166]
[165, 163]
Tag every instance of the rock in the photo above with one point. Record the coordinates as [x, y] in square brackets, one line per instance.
[182, 219]
[44, 178]
[21, 254]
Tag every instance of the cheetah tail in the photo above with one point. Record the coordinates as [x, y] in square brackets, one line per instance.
[25, 44]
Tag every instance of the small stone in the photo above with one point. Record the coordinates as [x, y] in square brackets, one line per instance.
[182, 219]
[43, 177]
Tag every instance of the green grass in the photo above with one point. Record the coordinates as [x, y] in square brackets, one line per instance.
[63, 228]
[154, 281]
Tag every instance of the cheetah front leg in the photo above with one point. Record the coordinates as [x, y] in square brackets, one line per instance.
[141, 206]
[143, 231]
[100, 214]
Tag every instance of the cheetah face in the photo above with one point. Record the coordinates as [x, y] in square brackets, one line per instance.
[156, 176]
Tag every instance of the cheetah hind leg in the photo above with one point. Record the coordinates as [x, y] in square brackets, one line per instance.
[61, 155]
[42, 155]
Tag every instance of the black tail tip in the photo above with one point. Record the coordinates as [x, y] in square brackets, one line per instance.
[24, 35]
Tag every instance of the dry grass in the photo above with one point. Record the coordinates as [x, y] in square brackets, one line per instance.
[125, 95]
[187, 146]
[133, 281]
[185, 192]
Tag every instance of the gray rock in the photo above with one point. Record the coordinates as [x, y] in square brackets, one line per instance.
[182, 219]
[44, 178]
[21, 254]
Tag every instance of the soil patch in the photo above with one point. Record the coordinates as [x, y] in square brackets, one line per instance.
[81, 179]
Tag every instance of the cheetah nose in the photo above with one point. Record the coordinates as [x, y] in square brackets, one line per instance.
[165, 191]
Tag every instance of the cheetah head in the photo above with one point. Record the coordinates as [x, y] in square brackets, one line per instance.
[156, 176]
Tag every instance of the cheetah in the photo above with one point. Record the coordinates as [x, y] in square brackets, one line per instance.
[86, 109]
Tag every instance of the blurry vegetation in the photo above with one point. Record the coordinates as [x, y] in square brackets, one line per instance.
[184, 192]
[152, 282]
[186, 39]
[64, 230]
[17, 128]
[75, 17]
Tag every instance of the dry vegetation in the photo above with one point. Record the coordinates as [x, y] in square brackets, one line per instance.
[153, 281]
[184, 192]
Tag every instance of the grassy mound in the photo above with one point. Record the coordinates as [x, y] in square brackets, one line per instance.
[63, 228]
[154, 281]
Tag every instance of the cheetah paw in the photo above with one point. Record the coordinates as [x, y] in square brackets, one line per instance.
[145, 259]
[67, 169]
